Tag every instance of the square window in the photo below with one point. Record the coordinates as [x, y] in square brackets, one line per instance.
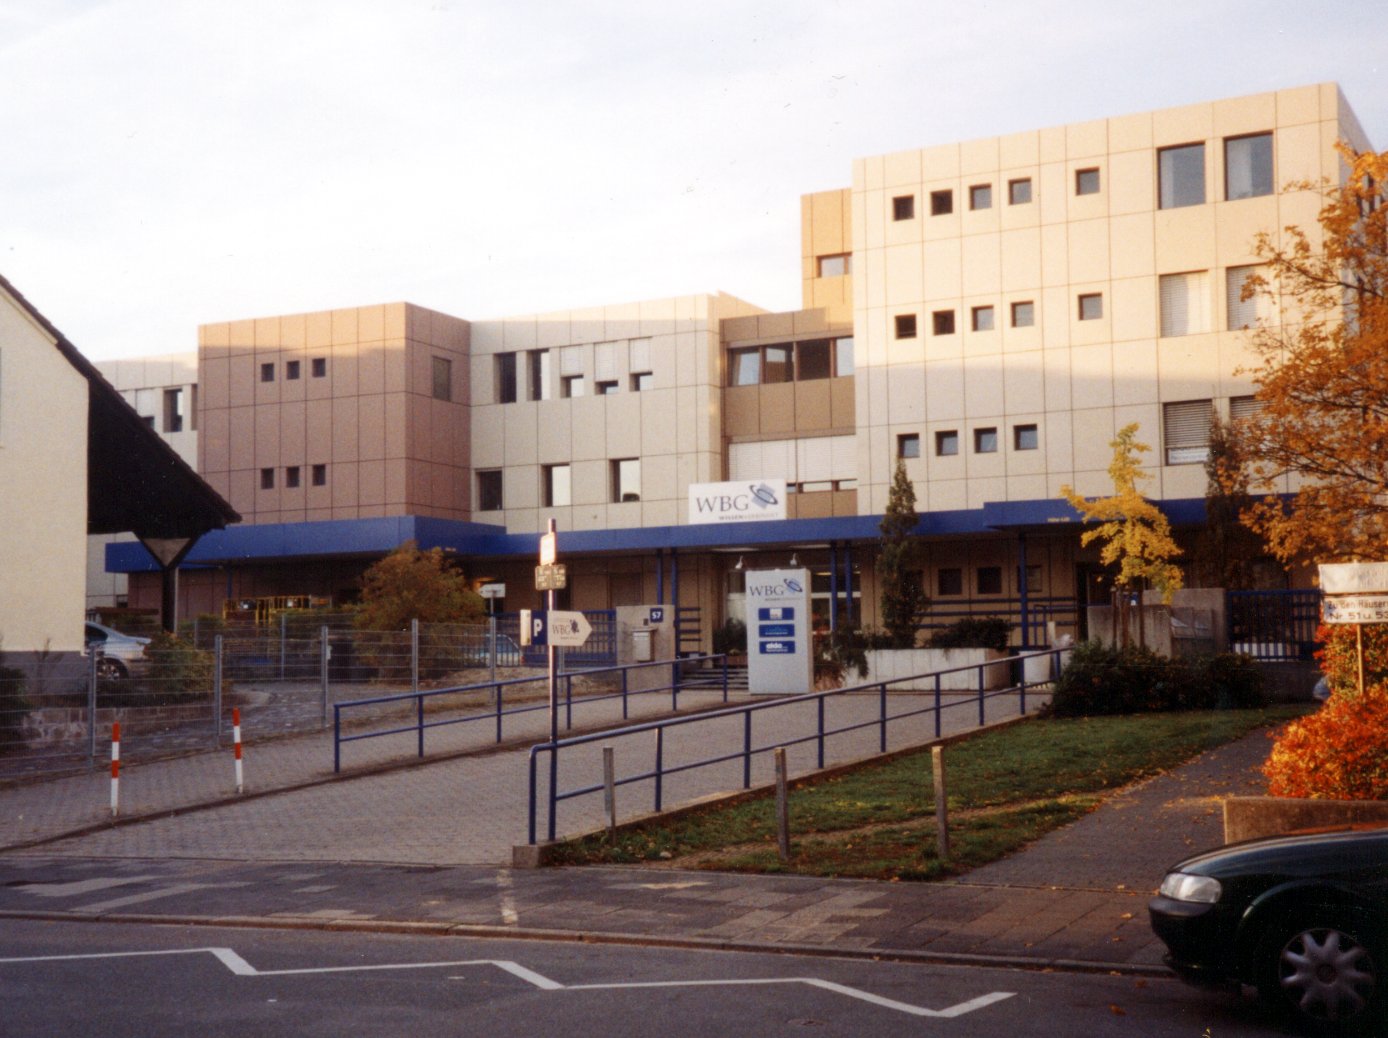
[1035, 578]
[1184, 300]
[989, 580]
[908, 445]
[1025, 438]
[1186, 429]
[504, 377]
[558, 486]
[267, 479]
[291, 370]
[606, 388]
[982, 318]
[1248, 166]
[946, 443]
[904, 207]
[1240, 312]
[539, 374]
[1023, 314]
[1181, 176]
[776, 364]
[319, 475]
[318, 367]
[173, 410]
[812, 360]
[744, 366]
[942, 322]
[1091, 306]
[986, 441]
[941, 203]
[571, 386]
[443, 378]
[626, 480]
[291, 477]
[642, 380]
[835, 266]
[1019, 191]
[905, 326]
[981, 196]
[267, 373]
[489, 491]
[949, 581]
[1086, 181]
[843, 357]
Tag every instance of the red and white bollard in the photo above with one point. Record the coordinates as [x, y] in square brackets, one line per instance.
[115, 769]
[236, 742]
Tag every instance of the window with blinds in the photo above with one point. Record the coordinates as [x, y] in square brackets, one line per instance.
[1243, 407]
[815, 462]
[1186, 428]
[1185, 303]
[1241, 312]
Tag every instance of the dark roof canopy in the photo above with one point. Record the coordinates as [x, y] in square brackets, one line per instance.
[136, 482]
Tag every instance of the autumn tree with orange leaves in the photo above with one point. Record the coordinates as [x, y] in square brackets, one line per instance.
[1322, 378]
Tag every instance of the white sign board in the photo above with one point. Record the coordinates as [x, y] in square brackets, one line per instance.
[1354, 578]
[1355, 609]
[744, 501]
[492, 590]
[780, 650]
[568, 627]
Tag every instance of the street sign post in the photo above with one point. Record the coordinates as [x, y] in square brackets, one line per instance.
[551, 577]
[1355, 593]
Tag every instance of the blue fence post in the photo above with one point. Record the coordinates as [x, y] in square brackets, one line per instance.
[725, 677]
[337, 739]
[747, 749]
[937, 703]
[420, 723]
[675, 687]
[882, 724]
[624, 693]
[568, 700]
[981, 683]
[496, 695]
[659, 765]
[821, 732]
[533, 791]
[553, 788]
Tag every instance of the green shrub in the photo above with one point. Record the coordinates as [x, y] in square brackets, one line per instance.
[13, 706]
[974, 632]
[1103, 679]
[175, 671]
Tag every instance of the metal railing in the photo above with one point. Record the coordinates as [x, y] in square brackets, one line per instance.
[747, 751]
[420, 723]
[1273, 626]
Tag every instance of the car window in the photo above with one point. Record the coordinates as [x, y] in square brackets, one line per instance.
[95, 635]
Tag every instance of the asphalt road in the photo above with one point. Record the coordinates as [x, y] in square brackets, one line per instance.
[97, 979]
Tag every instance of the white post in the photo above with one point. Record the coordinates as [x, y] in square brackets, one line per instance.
[115, 769]
[236, 742]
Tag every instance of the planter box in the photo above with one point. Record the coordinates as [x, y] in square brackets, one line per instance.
[1247, 818]
[895, 665]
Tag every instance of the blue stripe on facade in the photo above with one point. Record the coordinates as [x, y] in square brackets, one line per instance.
[340, 538]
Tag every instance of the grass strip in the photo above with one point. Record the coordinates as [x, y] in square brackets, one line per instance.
[1006, 788]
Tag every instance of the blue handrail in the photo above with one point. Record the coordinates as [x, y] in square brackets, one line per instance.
[747, 751]
[419, 725]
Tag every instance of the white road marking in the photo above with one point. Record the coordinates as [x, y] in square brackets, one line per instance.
[241, 968]
[136, 899]
[82, 886]
[509, 915]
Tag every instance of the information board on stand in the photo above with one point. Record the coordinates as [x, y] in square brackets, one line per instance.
[780, 649]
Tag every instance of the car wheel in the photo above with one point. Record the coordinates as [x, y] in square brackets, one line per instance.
[1324, 975]
[108, 669]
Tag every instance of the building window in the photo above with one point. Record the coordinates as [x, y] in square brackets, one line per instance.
[986, 440]
[981, 196]
[1248, 166]
[571, 386]
[1025, 438]
[1023, 314]
[989, 580]
[908, 445]
[982, 318]
[941, 203]
[813, 360]
[319, 475]
[776, 364]
[504, 377]
[267, 373]
[1186, 429]
[443, 378]
[641, 381]
[746, 366]
[267, 479]
[1086, 181]
[942, 322]
[318, 367]
[843, 356]
[1019, 191]
[626, 479]
[291, 477]
[905, 326]
[1181, 176]
[1242, 408]
[539, 374]
[1091, 306]
[1184, 303]
[835, 266]
[558, 486]
[291, 370]
[606, 387]
[489, 491]
[173, 410]
[1035, 578]
[947, 443]
[904, 207]
[1241, 312]
[949, 581]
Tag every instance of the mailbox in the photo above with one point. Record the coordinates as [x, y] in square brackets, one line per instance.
[641, 648]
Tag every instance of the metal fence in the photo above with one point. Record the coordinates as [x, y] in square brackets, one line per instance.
[1274, 626]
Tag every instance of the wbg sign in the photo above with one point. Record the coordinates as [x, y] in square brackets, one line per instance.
[743, 501]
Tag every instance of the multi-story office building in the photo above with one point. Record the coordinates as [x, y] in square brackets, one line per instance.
[990, 313]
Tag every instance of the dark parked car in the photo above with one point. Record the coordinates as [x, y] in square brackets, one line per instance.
[1303, 918]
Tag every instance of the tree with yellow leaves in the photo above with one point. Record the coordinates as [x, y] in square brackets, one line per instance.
[1135, 534]
[1322, 378]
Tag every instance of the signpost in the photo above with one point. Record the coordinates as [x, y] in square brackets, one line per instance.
[1355, 593]
[491, 592]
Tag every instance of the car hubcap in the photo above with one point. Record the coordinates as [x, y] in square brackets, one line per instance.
[1327, 974]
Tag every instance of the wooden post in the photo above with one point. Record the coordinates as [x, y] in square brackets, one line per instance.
[609, 792]
[1359, 654]
[782, 807]
[937, 767]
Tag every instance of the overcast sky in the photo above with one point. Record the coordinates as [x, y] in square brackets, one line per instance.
[165, 164]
